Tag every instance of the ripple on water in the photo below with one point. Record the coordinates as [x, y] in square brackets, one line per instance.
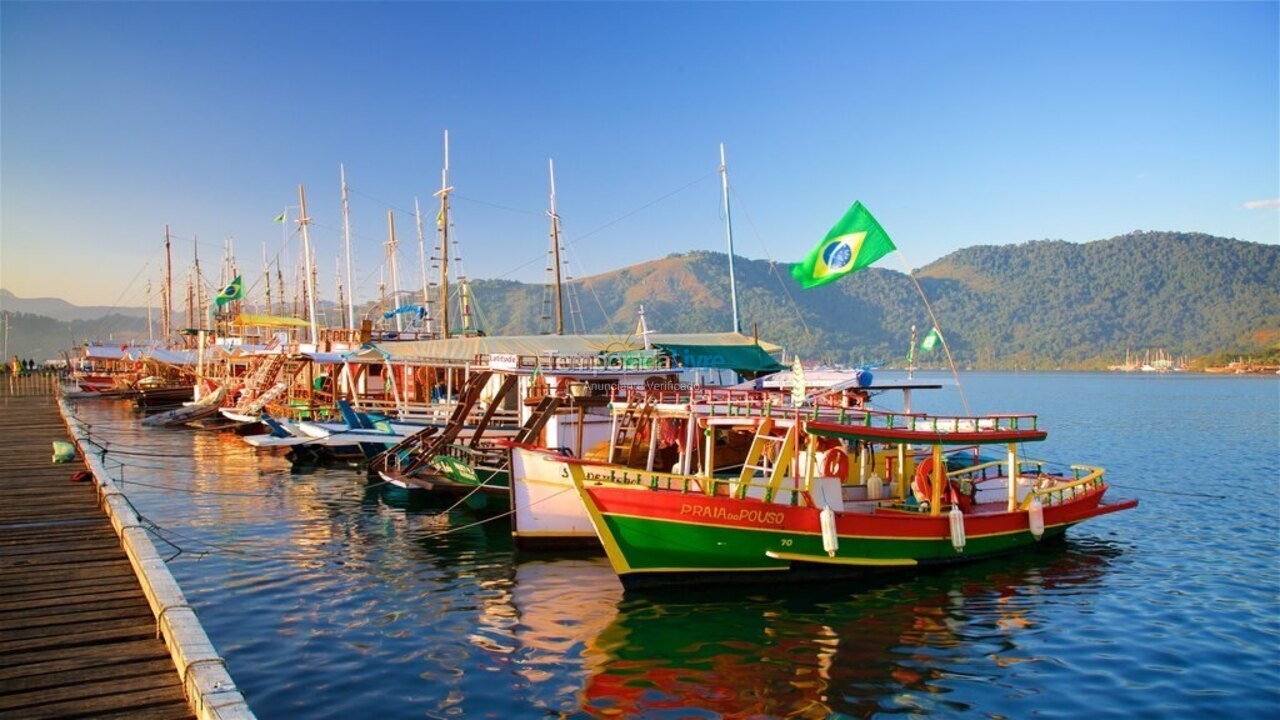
[332, 599]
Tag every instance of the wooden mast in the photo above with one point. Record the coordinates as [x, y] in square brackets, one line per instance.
[346, 244]
[151, 333]
[337, 269]
[266, 279]
[393, 269]
[728, 234]
[427, 322]
[195, 251]
[303, 221]
[442, 223]
[168, 286]
[555, 249]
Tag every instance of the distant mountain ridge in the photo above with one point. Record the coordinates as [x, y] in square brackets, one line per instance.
[60, 309]
[1040, 304]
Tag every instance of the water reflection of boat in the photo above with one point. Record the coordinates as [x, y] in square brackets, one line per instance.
[818, 652]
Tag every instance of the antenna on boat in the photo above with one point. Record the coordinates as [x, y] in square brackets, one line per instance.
[422, 266]
[395, 274]
[303, 221]
[346, 244]
[555, 249]
[728, 234]
[442, 224]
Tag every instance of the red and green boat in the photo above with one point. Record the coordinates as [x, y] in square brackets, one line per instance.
[796, 509]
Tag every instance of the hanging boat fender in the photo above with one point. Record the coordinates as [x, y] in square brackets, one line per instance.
[956, 517]
[1035, 518]
[830, 540]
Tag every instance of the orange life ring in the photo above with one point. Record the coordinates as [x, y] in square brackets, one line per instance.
[923, 487]
[836, 464]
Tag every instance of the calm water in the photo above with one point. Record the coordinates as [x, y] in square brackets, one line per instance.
[334, 599]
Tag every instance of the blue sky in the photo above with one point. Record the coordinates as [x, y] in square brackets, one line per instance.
[956, 124]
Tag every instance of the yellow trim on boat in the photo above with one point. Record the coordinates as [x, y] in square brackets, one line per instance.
[879, 562]
[800, 533]
[616, 557]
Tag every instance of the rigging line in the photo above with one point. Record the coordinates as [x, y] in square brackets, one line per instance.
[397, 208]
[955, 373]
[773, 265]
[455, 196]
[608, 321]
[615, 221]
[484, 521]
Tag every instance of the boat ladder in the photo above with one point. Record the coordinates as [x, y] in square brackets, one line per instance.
[769, 455]
[543, 412]
[630, 424]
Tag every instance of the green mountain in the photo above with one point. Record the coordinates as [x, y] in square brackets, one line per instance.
[1041, 304]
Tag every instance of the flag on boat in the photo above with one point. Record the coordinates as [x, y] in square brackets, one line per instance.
[440, 218]
[854, 243]
[234, 291]
[930, 341]
[280, 218]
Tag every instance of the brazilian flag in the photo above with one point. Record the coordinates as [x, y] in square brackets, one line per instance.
[931, 340]
[234, 291]
[854, 243]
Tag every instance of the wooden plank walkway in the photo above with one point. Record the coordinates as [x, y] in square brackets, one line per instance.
[77, 637]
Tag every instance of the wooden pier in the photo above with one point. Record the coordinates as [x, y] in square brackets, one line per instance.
[77, 636]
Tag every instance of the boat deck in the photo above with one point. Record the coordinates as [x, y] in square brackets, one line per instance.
[77, 637]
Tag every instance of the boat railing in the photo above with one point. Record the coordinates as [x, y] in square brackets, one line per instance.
[1087, 479]
[483, 455]
[621, 475]
[730, 402]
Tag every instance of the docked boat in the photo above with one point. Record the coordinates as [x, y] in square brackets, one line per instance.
[682, 431]
[793, 510]
[206, 406]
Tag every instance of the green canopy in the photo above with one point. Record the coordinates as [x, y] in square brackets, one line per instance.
[742, 358]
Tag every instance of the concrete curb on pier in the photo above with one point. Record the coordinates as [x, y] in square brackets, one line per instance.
[210, 691]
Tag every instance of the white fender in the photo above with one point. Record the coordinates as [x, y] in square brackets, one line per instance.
[957, 528]
[830, 541]
[1035, 517]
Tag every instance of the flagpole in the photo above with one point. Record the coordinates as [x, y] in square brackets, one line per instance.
[937, 327]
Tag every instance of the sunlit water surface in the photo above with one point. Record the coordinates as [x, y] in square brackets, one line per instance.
[332, 598]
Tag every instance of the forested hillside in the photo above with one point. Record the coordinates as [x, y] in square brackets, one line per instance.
[1042, 304]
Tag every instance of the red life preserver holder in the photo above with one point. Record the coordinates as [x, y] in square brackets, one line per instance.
[923, 487]
[836, 463]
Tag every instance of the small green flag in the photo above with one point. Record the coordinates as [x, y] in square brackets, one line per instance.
[280, 218]
[234, 291]
[930, 341]
[854, 243]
